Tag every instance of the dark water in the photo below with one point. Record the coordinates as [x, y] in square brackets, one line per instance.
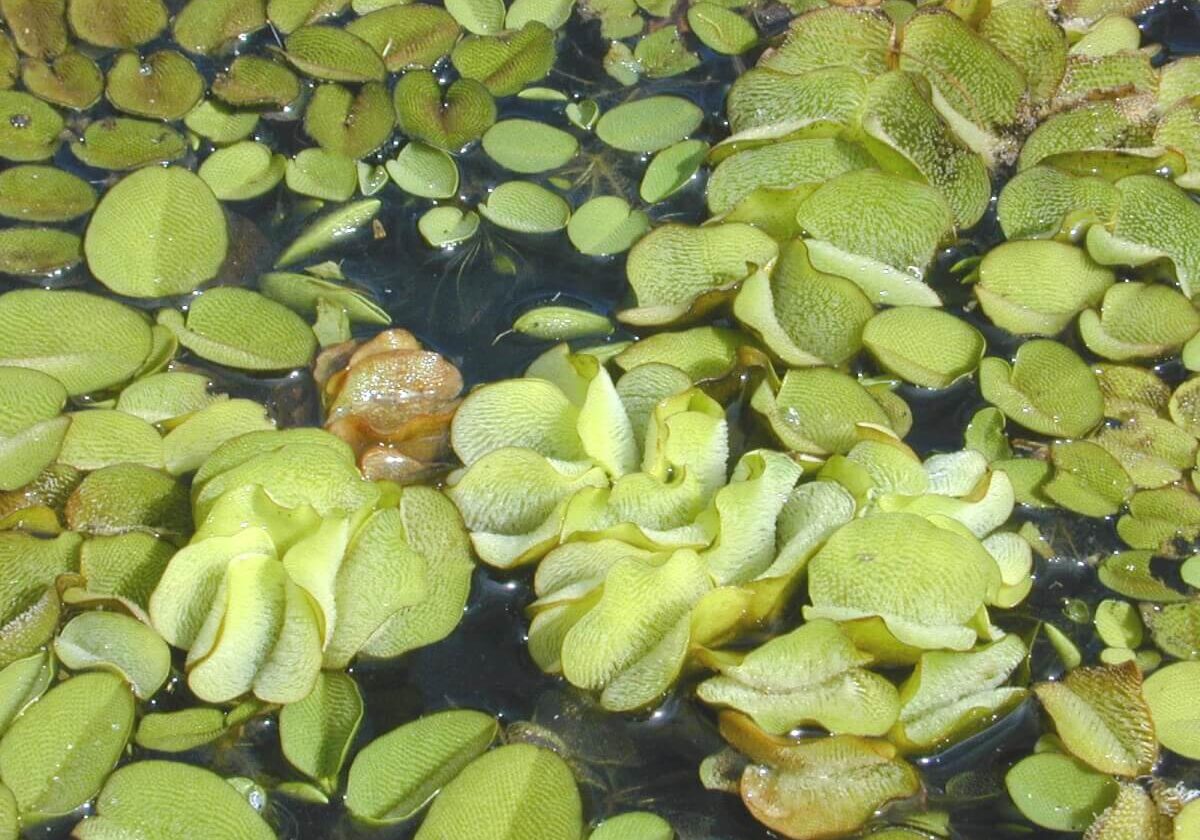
[459, 301]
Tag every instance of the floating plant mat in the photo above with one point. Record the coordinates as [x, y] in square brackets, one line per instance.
[603, 419]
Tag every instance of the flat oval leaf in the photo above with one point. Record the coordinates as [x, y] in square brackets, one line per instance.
[116, 642]
[525, 207]
[38, 251]
[180, 731]
[721, 29]
[671, 169]
[333, 54]
[317, 732]
[606, 225]
[245, 330]
[163, 85]
[242, 171]
[158, 232]
[253, 81]
[72, 80]
[514, 791]
[481, 17]
[408, 36]
[56, 755]
[349, 123]
[122, 143]
[398, 773]
[424, 171]
[44, 194]
[443, 227]
[205, 26]
[85, 342]
[1171, 696]
[650, 124]
[637, 825]
[29, 128]
[117, 23]
[1059, 792]
[1048, 389]
[154, 798]
[528, 146]
[926, 347]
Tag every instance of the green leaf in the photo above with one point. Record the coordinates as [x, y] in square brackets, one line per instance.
[528, 147]
[606, 225]
[72, 80]
[122, 144]
[125, 567]
[38, 29]
[925, 579]
[514, 791]
[163, 85]
[796, 165]
[1032, 40]
[561, 323]
[1087, 479]
[816, 410]
[508, 62]
[649, 124]
[1102, 718]
[219, 123]
[857, 38]
[29, 128]
[671, 169]
[553, 14]
[779, 103]
[55, 756]
[115, 642]
[1138, 320]
[424, 171]
[951, 696]
[659, 54]
[330, 229]
[877, 228]
[677, 268]
[187, 445]
[805, 317]
[316, 732]
[300, 293]
[242, 171]
[480, 17]
[721, 29]
[1043, 202]
[634, 825]
[408, 36]
[206, 26]
[86, 342]
[117, 23]
[820, 786]
[1047, 389]
[444, 227]
[525, 207]
[287, 15]
[153, 798]
[395, 775]
[926, 347]
[252, 81]
[22, 683]
[180, 731]
[1037, 287]
[632, 644]
[349, 123]
[243, 329]
[333, 54]
[44, 194]
[1171, 697]
[38, 251]
[908, 136]
[1174, 627]
[129, 497]
[158, 232]
[1058, 792]
[810, 676]
[449, 121]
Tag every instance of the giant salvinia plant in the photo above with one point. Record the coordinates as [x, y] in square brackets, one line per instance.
[299, 563]
[651, 545]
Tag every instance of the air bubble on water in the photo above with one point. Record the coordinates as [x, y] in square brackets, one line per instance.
[19, 120]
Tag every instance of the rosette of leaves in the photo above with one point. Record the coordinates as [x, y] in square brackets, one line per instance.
[392, 401]
[299, 563]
